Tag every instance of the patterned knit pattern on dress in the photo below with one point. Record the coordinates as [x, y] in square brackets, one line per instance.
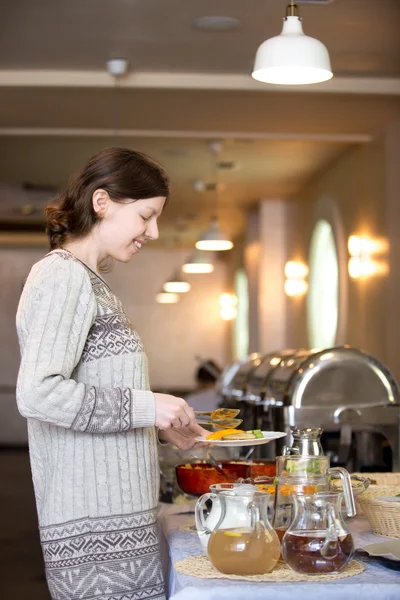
[83, 386]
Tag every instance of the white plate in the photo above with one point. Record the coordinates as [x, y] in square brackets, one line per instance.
[389, 549]
[268, 437]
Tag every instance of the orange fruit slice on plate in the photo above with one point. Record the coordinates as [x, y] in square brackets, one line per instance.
[218, 435]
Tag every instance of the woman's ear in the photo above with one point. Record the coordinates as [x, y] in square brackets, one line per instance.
[100, 200]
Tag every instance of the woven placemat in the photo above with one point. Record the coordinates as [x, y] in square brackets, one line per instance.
[200, 566]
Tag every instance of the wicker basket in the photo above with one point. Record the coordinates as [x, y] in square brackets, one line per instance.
[381, 478]
[384, 517]
[376, 479]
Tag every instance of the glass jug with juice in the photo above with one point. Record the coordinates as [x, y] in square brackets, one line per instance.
[317, 541]
[243, 549]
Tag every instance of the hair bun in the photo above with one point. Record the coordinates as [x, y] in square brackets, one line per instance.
[57, 225]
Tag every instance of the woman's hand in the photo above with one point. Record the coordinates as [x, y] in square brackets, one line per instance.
[172, 411]
[183, 437]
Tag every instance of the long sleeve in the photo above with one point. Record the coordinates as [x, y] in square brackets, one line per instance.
[56, 312]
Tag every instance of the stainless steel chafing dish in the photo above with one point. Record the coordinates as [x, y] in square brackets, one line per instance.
[347, 392]
[232, 383]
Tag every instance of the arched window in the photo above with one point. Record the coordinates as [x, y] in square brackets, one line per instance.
[241, 325]
[323, 293]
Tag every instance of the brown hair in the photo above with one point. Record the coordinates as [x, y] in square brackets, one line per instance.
[125, 174]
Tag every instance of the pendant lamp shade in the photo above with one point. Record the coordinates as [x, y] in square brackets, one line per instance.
[292, 58]
[176, 285]
[199, 262]
[167, 298]
[214, 240]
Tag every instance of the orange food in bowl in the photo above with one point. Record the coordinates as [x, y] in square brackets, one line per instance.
[196, 479]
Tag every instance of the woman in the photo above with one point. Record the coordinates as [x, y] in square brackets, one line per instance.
[83, 386]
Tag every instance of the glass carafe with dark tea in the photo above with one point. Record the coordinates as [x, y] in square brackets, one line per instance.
[317, 541]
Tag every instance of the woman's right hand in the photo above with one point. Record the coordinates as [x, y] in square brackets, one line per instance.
[172, 411]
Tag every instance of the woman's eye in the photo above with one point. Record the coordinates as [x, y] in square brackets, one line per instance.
[145, 219]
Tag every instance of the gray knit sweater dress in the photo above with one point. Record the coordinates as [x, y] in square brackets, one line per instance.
[83, 387]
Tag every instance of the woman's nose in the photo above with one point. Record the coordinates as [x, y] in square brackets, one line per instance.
[152, 230]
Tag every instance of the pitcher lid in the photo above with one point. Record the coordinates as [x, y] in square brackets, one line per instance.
[308, 433]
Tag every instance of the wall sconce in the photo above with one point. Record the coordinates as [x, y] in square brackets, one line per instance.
[228, 310]
[362, 261]
[296, 273]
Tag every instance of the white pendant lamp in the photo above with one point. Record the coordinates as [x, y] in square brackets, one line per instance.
[167, 298]
[214, 240]
[292, 58]
[176, 285]
[199, 262]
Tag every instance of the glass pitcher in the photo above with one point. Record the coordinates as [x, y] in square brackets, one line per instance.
[317, 541]
[243, 541]
[306, 475]
[306, 442]
[206, 523]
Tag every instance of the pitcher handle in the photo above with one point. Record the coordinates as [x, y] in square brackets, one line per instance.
[287, 451]
[330, 547]
[198, 513]
[347, 490]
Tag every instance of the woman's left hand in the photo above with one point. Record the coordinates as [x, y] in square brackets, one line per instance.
[183, 437]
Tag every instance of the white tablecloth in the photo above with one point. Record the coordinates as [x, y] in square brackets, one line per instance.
[377, 582]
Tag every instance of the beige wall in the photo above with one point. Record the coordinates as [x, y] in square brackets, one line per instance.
[360, 193]
[357, 185]
[172, 334]
[14, 268]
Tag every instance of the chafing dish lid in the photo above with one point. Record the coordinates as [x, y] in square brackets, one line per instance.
[281, 376]
[235, 374]
[257, 378]
[239, 380]
[341, 376]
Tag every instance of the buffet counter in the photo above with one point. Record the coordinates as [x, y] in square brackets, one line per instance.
[377, 582]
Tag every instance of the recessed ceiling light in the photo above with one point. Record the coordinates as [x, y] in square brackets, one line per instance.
[216, 23]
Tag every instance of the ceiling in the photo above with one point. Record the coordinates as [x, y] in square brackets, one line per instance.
[154, 35]
[58, 105]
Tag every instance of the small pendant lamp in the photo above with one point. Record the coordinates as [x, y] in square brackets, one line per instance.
[199, 262]
[176, 285]
[214, 240]
[292, 58]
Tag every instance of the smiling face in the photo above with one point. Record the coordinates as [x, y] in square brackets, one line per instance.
[125, 227]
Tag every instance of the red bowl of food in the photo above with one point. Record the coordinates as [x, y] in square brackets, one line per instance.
[259, 468]
[196, 478]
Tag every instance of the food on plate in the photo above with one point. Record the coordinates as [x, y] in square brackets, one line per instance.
[235, 434]
[241, 435]
[258, 433]
[219, 435]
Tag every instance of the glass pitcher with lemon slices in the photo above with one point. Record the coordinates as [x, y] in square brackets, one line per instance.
[305, 475]
[243, 541]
